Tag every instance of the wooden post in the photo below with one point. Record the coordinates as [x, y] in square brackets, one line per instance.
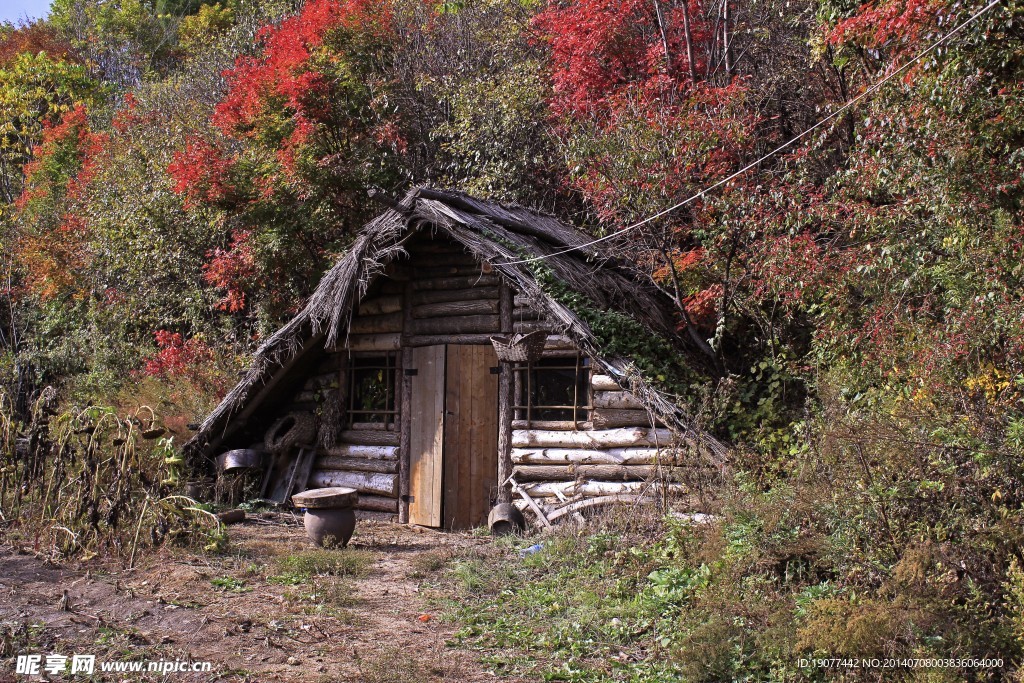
[506, 399]
[405, 421]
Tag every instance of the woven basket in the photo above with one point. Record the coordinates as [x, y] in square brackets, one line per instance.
[520, 348]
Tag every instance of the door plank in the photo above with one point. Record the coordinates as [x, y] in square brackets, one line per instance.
[453, 437]
[426, 438]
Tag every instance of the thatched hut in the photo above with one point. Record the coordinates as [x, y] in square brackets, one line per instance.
[392, 370]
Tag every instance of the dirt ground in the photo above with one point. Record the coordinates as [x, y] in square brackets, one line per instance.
[244, 612]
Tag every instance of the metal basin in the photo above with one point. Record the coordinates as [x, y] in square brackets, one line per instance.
[241, 458]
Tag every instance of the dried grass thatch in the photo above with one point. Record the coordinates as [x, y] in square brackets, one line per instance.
[500, 235]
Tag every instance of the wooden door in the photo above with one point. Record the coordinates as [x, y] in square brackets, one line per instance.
[470, 435]
[453, 440]
[426, 437]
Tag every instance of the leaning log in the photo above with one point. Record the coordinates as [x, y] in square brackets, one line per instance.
[598, 438]
[599, 488]
[609, 456]
[364, 482]
[364, 452]
[333, 462]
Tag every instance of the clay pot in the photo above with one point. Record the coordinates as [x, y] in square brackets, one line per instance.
[505, 519]
[329, 514]
[330, 523]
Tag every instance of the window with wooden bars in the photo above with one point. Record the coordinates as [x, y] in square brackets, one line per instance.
[553, 389]
[371, 389]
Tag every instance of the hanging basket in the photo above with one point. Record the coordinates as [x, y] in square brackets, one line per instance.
[520, 348]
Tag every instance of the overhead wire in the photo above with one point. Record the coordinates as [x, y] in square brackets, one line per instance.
[692, 198]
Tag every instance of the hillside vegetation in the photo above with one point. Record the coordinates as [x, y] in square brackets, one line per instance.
[175, 177]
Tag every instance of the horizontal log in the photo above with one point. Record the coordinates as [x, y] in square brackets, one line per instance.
[619, 400]
[374, 426]
[373, 324]
[525, 314]
[377, 503]
[587, 489]
[456, 308]
[604, 383]
[611, 456]
[594, 439]
[527, 326]
[334, 462]
[393, 285]
[364, 482]
[366, 437]
[604, 418]
[555, 425]
[457, 325]
[431, 296]
[479, 339]
[454, 269]
[375, 516]
[347, 450]
[389, 341]
[603, 472]
[557, 342]
[380, 305]
[465, 282]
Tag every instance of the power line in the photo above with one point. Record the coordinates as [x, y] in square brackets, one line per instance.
[772, 153]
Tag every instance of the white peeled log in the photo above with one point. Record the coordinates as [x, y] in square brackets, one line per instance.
[348, 450]
[587, 489]
[622, 400]
[364, 482]
[604, 383]
[609, 456]
[331, 462]
[624, 437]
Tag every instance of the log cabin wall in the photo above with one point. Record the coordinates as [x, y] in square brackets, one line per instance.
[441, 295]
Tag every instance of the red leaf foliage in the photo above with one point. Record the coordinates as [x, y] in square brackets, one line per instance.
[233, 270]
[175, 356]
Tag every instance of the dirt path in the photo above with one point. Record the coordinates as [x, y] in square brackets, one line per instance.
[258, 612]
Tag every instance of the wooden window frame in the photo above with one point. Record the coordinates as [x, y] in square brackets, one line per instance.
[583, 405]
[390, 364]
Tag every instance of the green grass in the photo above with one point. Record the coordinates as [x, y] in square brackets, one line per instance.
[348, 562]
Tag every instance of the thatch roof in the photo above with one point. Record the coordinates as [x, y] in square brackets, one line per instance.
[500, 235]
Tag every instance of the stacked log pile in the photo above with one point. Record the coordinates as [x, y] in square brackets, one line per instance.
[619, 452]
